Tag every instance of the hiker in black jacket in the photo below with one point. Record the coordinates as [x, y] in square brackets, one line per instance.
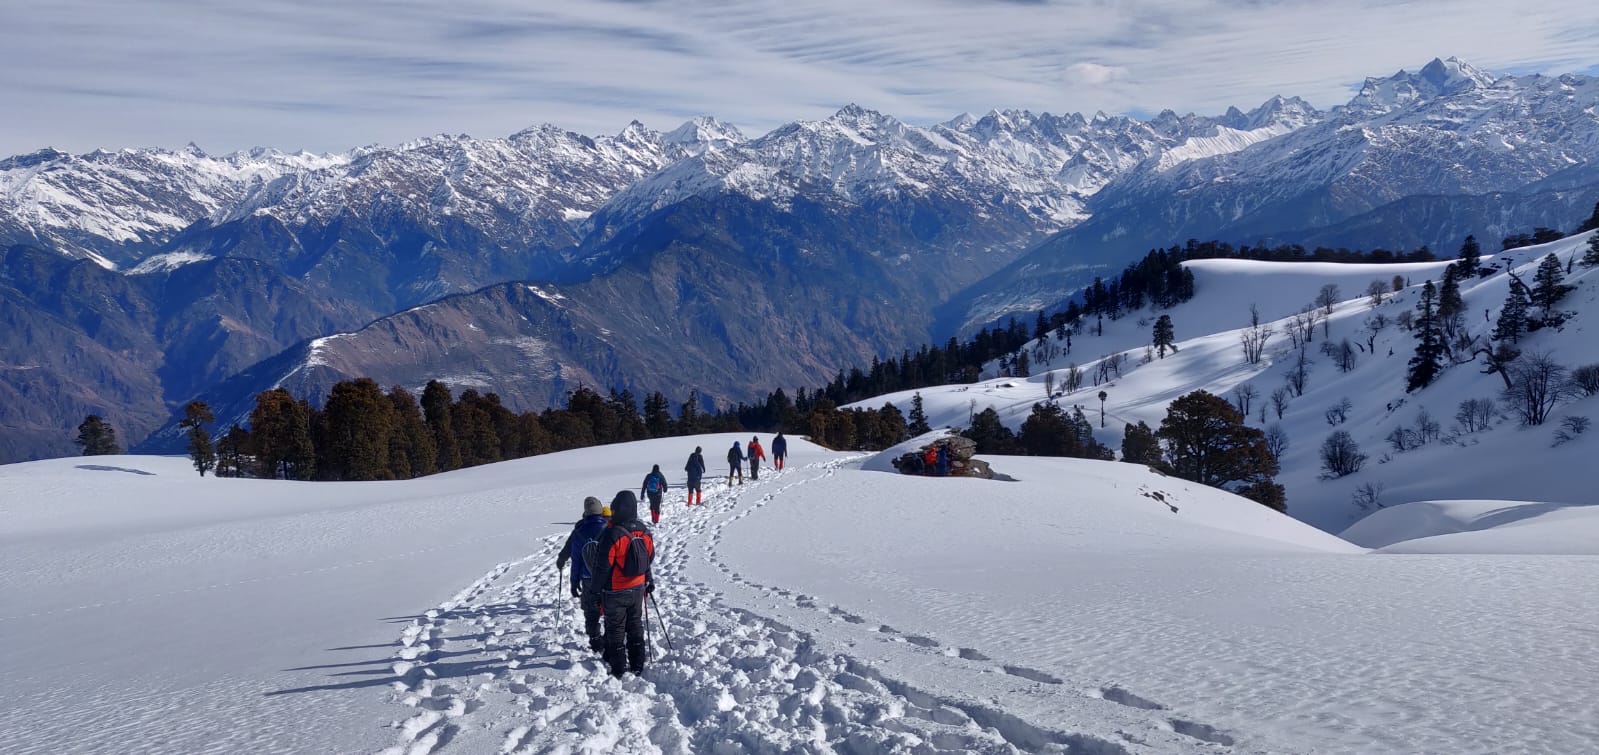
[654, 486]
[625, 579]
[735, 464]
[696, 470]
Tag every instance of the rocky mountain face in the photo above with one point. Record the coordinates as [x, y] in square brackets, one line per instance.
[1415, 158]
[699, 257]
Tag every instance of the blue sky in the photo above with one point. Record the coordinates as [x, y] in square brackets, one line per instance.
[331, 74]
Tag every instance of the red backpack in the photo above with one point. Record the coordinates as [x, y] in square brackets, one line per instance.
[631, 556]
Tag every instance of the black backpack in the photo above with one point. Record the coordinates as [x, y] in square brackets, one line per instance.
[640, 553]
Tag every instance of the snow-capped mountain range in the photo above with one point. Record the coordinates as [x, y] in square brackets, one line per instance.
[871, 234]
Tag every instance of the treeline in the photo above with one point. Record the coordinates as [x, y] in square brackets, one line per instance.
[362, 432]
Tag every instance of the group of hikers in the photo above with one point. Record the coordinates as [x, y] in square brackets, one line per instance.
[934, 462]
[611, 551]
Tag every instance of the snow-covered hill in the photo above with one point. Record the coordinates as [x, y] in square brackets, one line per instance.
[1504, 462]
[1086, 607]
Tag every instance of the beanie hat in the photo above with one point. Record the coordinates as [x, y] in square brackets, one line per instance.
[592, 506]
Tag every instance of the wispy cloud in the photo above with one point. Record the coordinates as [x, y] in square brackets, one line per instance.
[312, 74]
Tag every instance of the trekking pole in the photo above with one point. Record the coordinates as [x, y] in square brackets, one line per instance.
[664, 633]
[649, 646]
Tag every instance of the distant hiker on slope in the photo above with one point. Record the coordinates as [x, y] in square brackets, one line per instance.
[735, 464]
[943, 460]
[779, 450]
[930, 462]
[624, 577]
[588, 529]
[756, 454]
[654, 486]
[695, 469]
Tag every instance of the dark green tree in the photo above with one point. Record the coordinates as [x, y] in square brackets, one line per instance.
[280, 435]
[1591, 256]
[412, 451]
[918, 417]
[358, 421]
[1468, 264]
[1451, 307]
[1513, 315]
[1165, 336]
[196, 415]
[436, 404]
[1206, 441]
[232, 448]
[1048, 432]
[657, 415]
[990, 434]
[1428, 360]
[1547, 289]
[96, 437]
[1139, 446]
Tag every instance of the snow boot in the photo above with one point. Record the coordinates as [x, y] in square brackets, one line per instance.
[655, 517]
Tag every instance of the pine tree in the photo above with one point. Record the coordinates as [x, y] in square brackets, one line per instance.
[1428, 361]
[657, 415]
[1513, 315]
[358, 420]
[436, 404]
[1469, 254]
[96, 437]
[1165, 336]
[412, 451]
[918, 417]
[231, 448]
[280, 436]
[1547, 289]
[1591, 257]
[1451, 307]
[990, 434]
[1139, 446]
[196, 415]
[688, 416]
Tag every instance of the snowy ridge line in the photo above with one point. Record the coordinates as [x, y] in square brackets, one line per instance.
[509, 669]
[255, 580]
[979, 661]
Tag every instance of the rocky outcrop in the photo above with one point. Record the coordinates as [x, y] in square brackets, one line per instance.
[961, 451]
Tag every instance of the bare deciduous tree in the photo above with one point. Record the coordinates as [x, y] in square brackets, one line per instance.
[1243, 396]
[1376, 292]
[1340, 456]
[1328, 297]
[1537, 384]
[1277, 440]
[1475, 415]
[1299, 376]
[1279, 401]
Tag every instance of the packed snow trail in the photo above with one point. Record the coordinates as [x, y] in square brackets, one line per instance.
[504, 664]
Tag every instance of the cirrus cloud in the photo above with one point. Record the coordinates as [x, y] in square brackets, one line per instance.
[230, 74]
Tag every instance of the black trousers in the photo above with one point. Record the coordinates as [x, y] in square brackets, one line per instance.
[624, 630]
[589, 599]
[655, 503]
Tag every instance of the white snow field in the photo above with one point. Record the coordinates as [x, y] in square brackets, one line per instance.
[1504, 462]
[1087, 607]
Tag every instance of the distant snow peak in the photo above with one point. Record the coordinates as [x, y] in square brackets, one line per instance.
[1441, 77]
[703, 134]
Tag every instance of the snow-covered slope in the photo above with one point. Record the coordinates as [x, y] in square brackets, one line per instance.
[1455, 465]
[1085, 607]
[1481, 527]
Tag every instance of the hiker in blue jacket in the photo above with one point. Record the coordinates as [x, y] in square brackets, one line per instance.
[779, 451]
[589, 528]
[654, 486]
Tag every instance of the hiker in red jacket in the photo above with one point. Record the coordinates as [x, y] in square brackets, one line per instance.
[756, 455]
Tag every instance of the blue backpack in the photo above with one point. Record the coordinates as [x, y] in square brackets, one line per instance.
[589, 535]
[654, 484]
